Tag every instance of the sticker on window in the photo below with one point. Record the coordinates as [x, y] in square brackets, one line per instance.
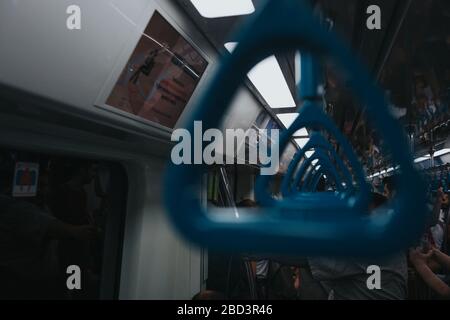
[25, 179]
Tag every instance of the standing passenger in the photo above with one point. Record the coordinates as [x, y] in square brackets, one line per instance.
[70, 206]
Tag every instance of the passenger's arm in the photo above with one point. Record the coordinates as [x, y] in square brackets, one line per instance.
[442, 258]
[419, 260]
[432, 280]
[434, 265]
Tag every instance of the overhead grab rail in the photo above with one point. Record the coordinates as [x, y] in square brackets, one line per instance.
[312, 179]
[314, 170]
[316, 141]
[324, 159]
[315, 181]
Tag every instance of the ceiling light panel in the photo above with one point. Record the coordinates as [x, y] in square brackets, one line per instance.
[223, 8]
[269, 80]
[287, 119]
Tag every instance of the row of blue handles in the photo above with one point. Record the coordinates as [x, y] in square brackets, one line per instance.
[302, 222]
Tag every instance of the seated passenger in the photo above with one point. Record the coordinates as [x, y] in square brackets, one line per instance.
[434, 235]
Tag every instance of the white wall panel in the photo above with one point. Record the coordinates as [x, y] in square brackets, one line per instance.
[40, 55]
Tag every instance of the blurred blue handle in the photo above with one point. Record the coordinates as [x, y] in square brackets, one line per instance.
[289, 25]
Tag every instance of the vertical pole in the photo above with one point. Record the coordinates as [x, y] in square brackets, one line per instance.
[310, 77]
[432, 149]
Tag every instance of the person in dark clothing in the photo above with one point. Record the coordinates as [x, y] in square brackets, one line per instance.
[28, 264]
[69, 204]
[347, 278]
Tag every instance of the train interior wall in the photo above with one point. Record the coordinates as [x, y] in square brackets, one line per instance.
[156, 262]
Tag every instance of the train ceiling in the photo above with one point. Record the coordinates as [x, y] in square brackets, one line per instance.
[407, 25]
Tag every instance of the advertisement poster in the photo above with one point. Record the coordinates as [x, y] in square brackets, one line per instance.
[25, 179]
[160, 76]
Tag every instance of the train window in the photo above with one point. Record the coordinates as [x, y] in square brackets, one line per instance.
[160, 76]
[61, 222]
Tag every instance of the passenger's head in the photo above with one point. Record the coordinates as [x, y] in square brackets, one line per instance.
[376, 183]
[445, 201]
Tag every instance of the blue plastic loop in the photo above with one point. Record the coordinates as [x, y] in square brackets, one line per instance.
[316, 140]
[328, 165]
[279, 26]
[316, 179]
[318, 154]
[308, 181]
[310, 77]
[310, 115]
[307, 201]
[311, 178]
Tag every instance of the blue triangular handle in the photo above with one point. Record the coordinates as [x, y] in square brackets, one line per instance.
[279, 26]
